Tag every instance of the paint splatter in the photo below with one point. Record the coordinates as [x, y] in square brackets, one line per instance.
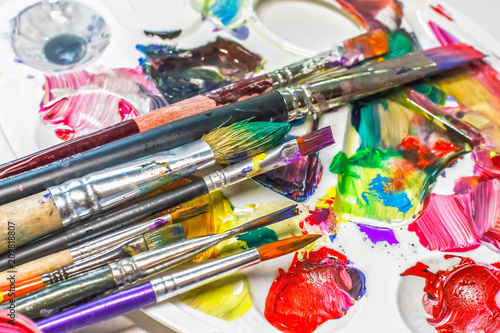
[441, 11]
[322, 287]
[376, 235]
[183, 73]
[227, 298]
[463, 298]
[79, 103]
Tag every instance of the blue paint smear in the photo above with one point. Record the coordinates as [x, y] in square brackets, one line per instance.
[241, 33]
[397, 200]
[226, 10]
[332, 237]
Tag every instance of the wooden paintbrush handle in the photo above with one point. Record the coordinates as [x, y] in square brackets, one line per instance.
[27, 219]
[37, 267]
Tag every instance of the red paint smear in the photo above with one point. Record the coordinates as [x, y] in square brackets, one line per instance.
[423, 155]
[22, 323]
[463, 298]
[440, 10]
[313, 291]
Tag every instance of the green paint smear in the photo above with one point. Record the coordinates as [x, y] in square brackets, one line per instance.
[228, 298]
[258, 237]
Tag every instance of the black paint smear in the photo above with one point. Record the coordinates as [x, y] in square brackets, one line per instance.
[164, 34]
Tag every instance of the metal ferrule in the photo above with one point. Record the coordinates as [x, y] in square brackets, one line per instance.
[79, 199]
[129, 270]
[64, 273]
[117, 239]
[274, 158]
[304, 69]
[327, 92]
[178, 283]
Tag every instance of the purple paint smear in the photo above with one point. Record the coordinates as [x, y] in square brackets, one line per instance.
[376, 235]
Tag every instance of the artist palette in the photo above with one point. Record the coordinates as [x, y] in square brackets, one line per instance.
[392, 303]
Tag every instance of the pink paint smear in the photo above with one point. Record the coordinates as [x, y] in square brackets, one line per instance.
[460, 222]
[79, 103]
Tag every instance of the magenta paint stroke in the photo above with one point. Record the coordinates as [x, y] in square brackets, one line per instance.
[79, 103]
[460, 222]
[377, 235]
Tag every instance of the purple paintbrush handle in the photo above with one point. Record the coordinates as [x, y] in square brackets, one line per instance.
[99, 310]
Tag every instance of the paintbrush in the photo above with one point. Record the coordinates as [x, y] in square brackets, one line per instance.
[80, 199]
[285, 104]
[282, 155]
[148, 241]
[120, 274]
[166, 287]
[104, 243]
[348, 53]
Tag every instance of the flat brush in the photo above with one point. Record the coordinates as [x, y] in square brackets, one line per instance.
[119, 274]
[282, 105]
[166, 287]
[282, 155]
[106, 242]
[149, 241]
[80, 199]
[348, 53]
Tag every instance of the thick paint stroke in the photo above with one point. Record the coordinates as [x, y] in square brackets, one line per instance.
[463, 298]
[320, 288]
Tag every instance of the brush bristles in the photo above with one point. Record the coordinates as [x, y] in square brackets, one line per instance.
[450, 56]
[369, 45]
[244, 139]
[285, 246]
[163, 236]
[315, 141]
[185, 214]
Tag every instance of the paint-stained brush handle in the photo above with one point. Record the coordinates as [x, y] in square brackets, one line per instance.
[27, 219]
[54, 299]
[37, 267]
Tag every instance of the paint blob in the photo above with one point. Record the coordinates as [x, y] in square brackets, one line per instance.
[228, 298]
[79, 103]
[183, 73]
[376, 234]
[65, 49]
[463, 298]
[322, 287]
[296, 181]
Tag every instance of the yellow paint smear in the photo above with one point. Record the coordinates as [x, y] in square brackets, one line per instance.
[227, 298]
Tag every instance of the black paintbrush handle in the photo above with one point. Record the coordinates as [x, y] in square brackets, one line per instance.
[98, 226]
[53, 299]
[269, 107]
